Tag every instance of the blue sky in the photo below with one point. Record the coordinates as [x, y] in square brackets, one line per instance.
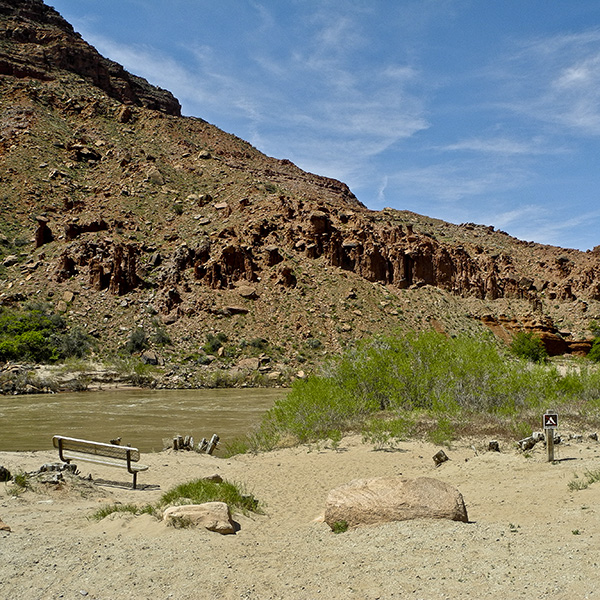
[484, 111]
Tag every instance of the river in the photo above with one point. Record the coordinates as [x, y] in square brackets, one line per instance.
[142, 418]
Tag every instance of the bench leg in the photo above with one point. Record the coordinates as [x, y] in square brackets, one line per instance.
[134, 479]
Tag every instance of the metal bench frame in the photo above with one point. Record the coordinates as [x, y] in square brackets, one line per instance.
[97, 452]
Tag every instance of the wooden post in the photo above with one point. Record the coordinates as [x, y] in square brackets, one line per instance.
[550, 423]
[550, 444]
[214, 440]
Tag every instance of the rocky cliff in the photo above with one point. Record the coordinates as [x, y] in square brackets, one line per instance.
[147, 220]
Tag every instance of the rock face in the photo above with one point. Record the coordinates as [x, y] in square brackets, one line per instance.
[106, 190]
[214, 516]
[39, 42]
[385, 499]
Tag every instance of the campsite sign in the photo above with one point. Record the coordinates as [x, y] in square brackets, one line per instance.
[550, 420]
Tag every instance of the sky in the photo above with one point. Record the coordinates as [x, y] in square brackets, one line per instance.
[483, 111]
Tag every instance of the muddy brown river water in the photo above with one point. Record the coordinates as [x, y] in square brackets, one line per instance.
[142, 418]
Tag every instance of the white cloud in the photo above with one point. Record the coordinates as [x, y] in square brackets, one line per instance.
[506, 146]
[454, 182]
[557, 79]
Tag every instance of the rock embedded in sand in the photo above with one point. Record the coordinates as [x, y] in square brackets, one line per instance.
[4, 526]
[214, 516]
[385, 499]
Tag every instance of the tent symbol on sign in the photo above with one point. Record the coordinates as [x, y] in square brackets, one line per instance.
[550, 421]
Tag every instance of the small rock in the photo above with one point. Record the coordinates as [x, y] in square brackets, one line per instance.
[493, 446]
[5, 474]
[149, 357]
[4, 526]
[214, 516]
[439, 458]
[10, 260]
[527, 443]
[248, 292]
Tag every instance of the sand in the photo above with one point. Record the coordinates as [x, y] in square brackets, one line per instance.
[529, 535]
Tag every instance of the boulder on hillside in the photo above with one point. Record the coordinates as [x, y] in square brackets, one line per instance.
[214, 516]
[385, 499]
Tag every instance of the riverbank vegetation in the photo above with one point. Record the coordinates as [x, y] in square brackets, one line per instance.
[390, 388]
[34, 333]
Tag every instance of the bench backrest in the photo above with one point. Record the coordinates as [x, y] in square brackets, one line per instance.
[97, 448]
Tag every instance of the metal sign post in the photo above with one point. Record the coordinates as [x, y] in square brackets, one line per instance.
[550, 423]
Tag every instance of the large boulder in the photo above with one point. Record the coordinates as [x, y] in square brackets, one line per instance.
[384, 499]
[214, 516]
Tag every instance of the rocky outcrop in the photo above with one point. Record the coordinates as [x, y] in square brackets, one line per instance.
[555, 342]
[109, 266]
[38, 41]
[385, 499]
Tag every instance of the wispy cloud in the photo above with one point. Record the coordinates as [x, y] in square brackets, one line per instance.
[506, 146]
[453, 182]
[557, 79]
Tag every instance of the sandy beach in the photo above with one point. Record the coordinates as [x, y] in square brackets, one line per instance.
[528, 534]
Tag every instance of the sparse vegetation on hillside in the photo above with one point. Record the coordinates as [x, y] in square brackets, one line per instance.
[164, 231]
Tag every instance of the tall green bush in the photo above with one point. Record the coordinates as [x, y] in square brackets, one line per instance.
[529, 346]
[447, 378]
[35, 334]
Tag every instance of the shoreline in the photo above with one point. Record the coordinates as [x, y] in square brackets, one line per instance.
[527, 530]
[31, 379]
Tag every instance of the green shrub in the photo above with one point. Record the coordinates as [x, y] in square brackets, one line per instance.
[161, 337]
[382, 432]
[340, 527]
[74, 343]
[214, 342]
[109, 509]
[529, 347]
[443, 433]
[137, 342]
[199, 491]
[28, 334]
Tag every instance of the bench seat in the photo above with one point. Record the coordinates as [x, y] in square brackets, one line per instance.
[110, 455]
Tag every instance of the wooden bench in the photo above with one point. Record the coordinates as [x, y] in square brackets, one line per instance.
[96, 452]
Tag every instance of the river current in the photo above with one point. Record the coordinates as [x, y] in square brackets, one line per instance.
[145, 419]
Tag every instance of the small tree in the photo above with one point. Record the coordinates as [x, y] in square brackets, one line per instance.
[530, 347]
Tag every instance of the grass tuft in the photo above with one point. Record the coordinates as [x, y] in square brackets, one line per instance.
[199, 491]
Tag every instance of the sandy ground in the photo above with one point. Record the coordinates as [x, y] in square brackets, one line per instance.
[528, 535]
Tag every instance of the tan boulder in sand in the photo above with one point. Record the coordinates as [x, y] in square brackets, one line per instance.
[4, 526]
[384, 499]
[214, 516]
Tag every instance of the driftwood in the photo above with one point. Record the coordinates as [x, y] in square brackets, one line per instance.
[187, 443]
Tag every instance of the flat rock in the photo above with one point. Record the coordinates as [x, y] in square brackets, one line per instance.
[385, 499]
[214, 516]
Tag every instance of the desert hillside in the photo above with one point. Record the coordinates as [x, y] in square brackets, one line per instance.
[126, 217]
